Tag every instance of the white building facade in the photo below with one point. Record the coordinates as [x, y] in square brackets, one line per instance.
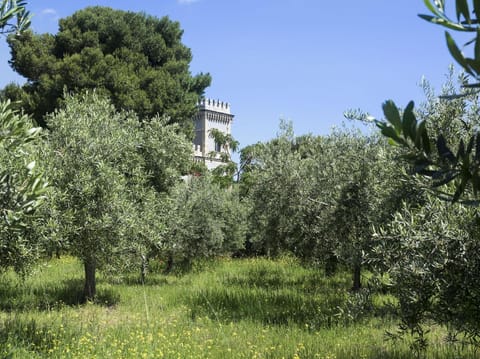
[211, 114]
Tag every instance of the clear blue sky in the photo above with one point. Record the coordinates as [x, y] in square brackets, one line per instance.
[302, 60]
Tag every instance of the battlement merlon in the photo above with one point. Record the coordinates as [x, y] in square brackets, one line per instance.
[214, 105]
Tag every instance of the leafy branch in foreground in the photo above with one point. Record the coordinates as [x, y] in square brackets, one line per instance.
[22, 188]
[443, 165]
[10, 10]
[459, 167]
[435, 160]
[466, 21]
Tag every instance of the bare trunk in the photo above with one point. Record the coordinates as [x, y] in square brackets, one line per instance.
[357, 283]
[144, 268]
[90, 290]
[331, 265]
[169, 266]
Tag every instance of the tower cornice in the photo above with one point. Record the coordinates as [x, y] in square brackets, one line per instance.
[214, 105]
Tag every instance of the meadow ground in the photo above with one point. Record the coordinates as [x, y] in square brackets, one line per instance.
[245, 308]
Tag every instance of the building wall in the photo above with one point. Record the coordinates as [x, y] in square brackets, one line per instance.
[211, 114]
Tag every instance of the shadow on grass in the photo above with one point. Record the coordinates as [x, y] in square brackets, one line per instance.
[276, 278]
[27, 333]
[274, 307]
[150, 280]
[15, 296]
[274, 295]
[282, 295]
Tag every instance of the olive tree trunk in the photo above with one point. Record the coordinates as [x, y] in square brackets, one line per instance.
[357, 282]
[90, 289]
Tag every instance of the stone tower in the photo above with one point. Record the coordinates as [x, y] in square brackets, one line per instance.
[211, 114]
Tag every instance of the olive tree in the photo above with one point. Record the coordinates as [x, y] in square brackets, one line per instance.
[360, 171]
[430, 254]
[166, 154]
[205, 220]
[274, 185]
[452, 160]
[104, 186]
[318, 196]
[430, 248]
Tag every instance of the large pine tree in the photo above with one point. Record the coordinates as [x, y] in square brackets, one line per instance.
[138, 60]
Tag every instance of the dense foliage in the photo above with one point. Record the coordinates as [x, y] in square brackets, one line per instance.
[438, 249]
[430, 249]
[22, 185]
[22, 188]
[204, 221]
[319, 197]
[106, 194]
[431, 256]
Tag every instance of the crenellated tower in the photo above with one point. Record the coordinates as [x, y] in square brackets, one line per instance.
[211, 114]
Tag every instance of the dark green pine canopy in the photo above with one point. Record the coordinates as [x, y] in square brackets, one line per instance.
[138, 60]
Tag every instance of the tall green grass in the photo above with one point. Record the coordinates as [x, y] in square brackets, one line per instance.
[253, 308]
[275, 293]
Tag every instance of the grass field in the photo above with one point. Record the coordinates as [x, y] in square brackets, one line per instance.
[253, 308]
